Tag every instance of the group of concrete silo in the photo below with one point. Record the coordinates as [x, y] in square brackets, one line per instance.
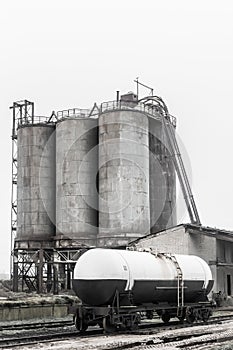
[98, 181]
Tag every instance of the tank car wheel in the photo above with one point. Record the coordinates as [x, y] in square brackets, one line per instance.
[80, 324]
[166, 317]
[100, 323]
[190, 316]
[181, 318]
[108, 326]
[206, 315]
[150, 314]
[132, 324]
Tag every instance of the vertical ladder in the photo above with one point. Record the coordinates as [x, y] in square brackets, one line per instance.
[180, 285]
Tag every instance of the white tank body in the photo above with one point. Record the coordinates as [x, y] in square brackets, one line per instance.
[100, 272]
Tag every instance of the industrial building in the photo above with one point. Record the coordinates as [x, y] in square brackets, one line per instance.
[101, 177]
[213, 245]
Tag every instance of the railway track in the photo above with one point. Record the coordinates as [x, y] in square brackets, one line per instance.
[185, 341]
[35, 339]
[37, 325]
[144, 329]
[65, 323]
[150, 328]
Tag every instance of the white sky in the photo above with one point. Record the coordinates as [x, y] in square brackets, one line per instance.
[64, 54]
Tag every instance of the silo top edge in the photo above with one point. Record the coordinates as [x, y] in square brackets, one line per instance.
[75, 118]
[29, 125]
[153, 116]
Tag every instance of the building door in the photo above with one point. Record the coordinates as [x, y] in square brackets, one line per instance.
[228, 284]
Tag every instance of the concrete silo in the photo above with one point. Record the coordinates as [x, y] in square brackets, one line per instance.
[76, 170]
[124, 212]
[137, 180]
[36, 182]
[162, 179]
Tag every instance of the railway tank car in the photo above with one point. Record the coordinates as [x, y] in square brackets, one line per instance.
[119, 287]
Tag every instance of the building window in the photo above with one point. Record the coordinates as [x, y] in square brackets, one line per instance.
[221, 251]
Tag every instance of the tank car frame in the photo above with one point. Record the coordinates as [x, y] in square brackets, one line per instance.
[124, 315]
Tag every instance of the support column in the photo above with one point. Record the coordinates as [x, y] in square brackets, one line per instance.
[40, 271]
[55, 273]
[15, 272]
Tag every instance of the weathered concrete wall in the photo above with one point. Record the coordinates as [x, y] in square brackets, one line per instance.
[170, 241]
[124, 212]
[76, 171]
[19, 313]
[203, 246]
[36, 182]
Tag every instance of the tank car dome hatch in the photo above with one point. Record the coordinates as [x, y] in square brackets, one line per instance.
[100, 272]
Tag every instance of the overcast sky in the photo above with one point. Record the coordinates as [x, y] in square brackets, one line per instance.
[65, 54]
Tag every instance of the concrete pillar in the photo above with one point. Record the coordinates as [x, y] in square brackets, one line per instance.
[15, 272]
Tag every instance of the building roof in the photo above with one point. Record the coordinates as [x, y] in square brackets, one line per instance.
[192, 228]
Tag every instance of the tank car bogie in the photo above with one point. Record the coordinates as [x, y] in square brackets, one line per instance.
[113, 318]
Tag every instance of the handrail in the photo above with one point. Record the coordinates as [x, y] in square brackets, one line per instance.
[32, 120]
[152, 110]
[73, 112]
